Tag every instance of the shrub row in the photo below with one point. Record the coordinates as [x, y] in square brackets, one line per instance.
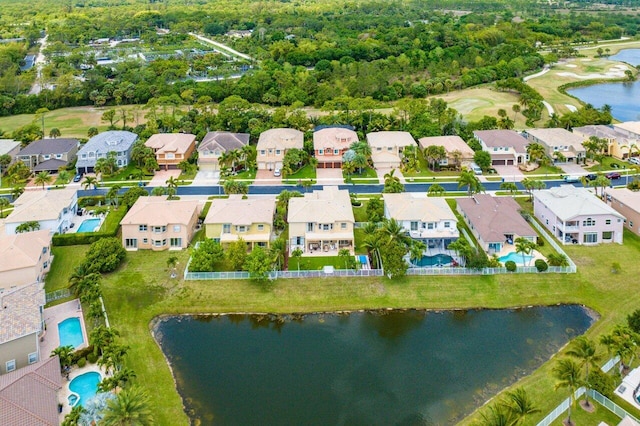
[79, 239]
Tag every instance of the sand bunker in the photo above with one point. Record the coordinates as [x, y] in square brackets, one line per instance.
[616, 71]
[571, 66]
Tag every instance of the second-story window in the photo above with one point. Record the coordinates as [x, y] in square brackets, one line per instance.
[142, 228]
[226, 228]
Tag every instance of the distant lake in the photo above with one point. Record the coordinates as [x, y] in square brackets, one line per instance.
[622, 97]
[390, 368]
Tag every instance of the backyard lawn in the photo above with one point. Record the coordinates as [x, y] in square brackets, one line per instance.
[316, 263]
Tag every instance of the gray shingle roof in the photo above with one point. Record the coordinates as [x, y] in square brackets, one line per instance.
[49, 146]
[113, 140]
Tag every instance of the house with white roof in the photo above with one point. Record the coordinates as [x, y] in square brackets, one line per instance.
[215, 144]
[273, 144]
[53, 209]
[321, 222]
[155, 223]
[559, 141]
[627, 203]
[118, 141]
[575, 215]
[21, 323]
[387, 147]
[251, 219]
[24, 258]
[457, 150]
[426, 219]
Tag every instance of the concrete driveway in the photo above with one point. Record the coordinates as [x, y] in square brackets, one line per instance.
[161, 177]
[329, 176]
[204, 178]
[266, 177]
[509, 173]
[384, 170]
[572, 168]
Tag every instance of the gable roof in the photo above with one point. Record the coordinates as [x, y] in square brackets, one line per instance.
[450, 144]
[20, 314]
[328, 205]
[29, 396]
[111, 140]
[629, 126]
[406, 206]
[238, 211]
[49, 146]
[390, 138]
[493, 217]
[284, 138]
[629, 198]
[171, 142]
[8, 145]
[502, 138]
[50, 165]
[568, 201]
[226, 140]
[158, 211]
[40, 205]
[18, 251]
[334, 138]
[558, 137]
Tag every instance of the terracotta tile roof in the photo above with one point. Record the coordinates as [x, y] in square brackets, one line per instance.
[329, 205]
[158, 211]
[334, 138]
[413, 207]
[20, 312]
[29, 396]
[390, 138]
[171, 142]
[41, 205]
[226, 140]
[281, 138]
[558, 137]
[23, 250]
[236, 211]
[450, 144]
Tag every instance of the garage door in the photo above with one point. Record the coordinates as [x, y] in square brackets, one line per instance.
[509, 162]
[498, 162]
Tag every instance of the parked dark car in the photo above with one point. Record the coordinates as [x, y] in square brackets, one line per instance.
[613, 175]
[591, 176]
[77, 177]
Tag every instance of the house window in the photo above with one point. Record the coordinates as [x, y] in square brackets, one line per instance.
[159, 243]
[32, 357]
[170, 156]
[131, 243]
[176, 228]
[226, 228]
[241, 228]
[159, 229]
[260, 227]
[278, 152]
[447, 224]
[607, 222]
[84, 156]
[321, 152]
[145, 241]
[58, 156]
[142, 228]
[430, 225]
[298, 241]
[175, 242]
[44, 265]
[310, 227]
[607, 235]
[630, 224]
[588, 222]
[10, 365]
[262, 152]
[590, 237]
[343, 225]
[327, 226]
[335, 152]
[414, 226]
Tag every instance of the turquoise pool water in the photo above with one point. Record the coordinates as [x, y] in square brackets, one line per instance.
[70, 332]
[89, 225]
[85, 386]
[437, 260]
[516, 257]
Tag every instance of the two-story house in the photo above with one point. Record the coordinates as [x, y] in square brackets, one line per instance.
[99, 146]
[21, 324]
[273, 145]
[627, 203]
[215, 144]
[233, 218]
[25, 258]
[575, 215]
[506, 147]
[52, 209]
[458, 152]
[48, 154]
[425, 219]
[330, 144]
[387, 147]
[559, 141]
[321, 222]
[155, 223]
[171, 148]
[9, 147]
[495, 222]
[621, 144]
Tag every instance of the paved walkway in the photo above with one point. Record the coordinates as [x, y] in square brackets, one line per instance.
[383, 171]
[329, 176]
[53, 316]
[162, 176]
[204, 178]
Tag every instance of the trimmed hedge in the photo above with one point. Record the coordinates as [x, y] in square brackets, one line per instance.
[82, 238]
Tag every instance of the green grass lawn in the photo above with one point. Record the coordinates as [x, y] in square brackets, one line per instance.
[610, 163]
[126, 173]
[545, 170]
[579, 416]
[142, 290]
[305, 173]
[315, 263]
[65, 259]
[360, 213]
[246, 175]
[368, 175]
[358, 235]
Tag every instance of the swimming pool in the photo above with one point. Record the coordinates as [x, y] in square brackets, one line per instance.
[84, 387]
[516, 257]
[89, 225]
[70, 332]
[437, 260]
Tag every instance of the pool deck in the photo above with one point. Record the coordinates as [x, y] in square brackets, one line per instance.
[510, 248]
[629, 384]
[77, 221]
[65, 392]
[53, 316]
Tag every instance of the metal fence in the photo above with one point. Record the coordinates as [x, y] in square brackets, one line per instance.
[58, 294]
[610, 405]
[554, 244]
[241, 275]
[610, 364]
[557, 412]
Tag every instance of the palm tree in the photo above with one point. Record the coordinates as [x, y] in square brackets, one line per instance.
[568, 374]
[3, 205]
[277, 250]
[520, 405]
[557, 259]
[118, 380]
[102, 337]
[393, 229]
[435, 190]
[112, 195]
[43, 178]
[497, 416]
[16, 191]
[129, 407]
[537, 153]
[416, 250]
[64, 176]
[373, 244]
[524, 247]
[585, 351]
[172, 186]
[297, 254]
[65, 354]
[90, 181]
[158, 191]
[392, 183]
[516, 109]
[433, 154]
[470, 180]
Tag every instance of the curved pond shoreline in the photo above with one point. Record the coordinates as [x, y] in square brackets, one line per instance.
[479, 395]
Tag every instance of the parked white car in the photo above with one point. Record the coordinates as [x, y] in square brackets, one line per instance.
[276, 172]
[635, 160]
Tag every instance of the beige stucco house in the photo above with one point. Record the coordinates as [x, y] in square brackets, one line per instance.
[156, 223]
[387, 147]
[24, 258]
[321, 222]
[559, 141]
[330, 144]
[457, 150]
[21, 323]
[251, 219]
[273, 145]
[621, 143]
[171, 148]
[215, 144]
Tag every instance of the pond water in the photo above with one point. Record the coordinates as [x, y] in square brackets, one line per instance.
[412, 367]
[622, 97]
